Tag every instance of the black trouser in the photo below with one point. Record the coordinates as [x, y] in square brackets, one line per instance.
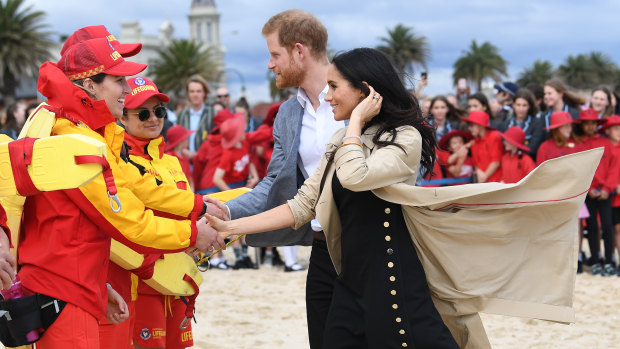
[603, 208]
[319, 290]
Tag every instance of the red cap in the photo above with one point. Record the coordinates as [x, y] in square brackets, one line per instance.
[99, 31]
[560, 118]
[92, 57]
[232, 130]
[175, 135]
[444, 142]
[219, 119]
[479, 117]
[588, 114]
[516, 137]
[141, 90]
[611, 121]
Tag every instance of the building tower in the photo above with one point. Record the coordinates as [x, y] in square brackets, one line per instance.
[204, 28]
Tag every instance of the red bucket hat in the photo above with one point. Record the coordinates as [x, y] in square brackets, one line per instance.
[100, 31]
[175, 135]
[559, 119]
[232, 130]
[588, 114]
[92, 57]
[516, 137]
[141, 90]
[479, 117]
[444, 142]
[613, 120]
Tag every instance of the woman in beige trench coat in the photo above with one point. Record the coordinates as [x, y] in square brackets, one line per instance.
[499, 248]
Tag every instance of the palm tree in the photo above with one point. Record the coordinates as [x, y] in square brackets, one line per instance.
[539, 72]
[405, 48]
[576, 71]
[23, 45]
[180, 60]
[603, 68]
[479, 63]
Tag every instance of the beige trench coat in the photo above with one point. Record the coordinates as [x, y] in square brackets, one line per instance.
[506, 249]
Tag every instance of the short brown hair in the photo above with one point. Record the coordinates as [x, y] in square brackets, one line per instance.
[199, 79]
[297, 26]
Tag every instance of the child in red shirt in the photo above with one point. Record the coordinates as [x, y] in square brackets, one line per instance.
[487, 150]
[454, 154]
[612, 130]
[233, 171]
[235, 166]
[598, 199]
[516, 163]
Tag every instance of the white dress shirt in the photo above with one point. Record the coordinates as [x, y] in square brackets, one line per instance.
[317, 127]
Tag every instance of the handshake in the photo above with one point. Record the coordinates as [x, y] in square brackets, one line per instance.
[212, 227]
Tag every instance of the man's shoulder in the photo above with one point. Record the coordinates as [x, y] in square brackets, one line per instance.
[290, 105]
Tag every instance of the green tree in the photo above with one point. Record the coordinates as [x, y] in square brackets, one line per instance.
[405, 48]
[586, 71]
[24, 45]
[480, 62]
[539, 72]
[180, 60]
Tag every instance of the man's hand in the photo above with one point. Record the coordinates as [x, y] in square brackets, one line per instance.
[117, 310]
[208, 240]
[7, 262]
[216, 208]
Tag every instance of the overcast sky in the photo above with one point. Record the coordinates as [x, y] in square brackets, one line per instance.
[522, 30]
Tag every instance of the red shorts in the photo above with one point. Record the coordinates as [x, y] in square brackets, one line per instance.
[75, 328]
[157, 323]
[119, 335]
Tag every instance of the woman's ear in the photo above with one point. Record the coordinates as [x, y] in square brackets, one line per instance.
[89, 86]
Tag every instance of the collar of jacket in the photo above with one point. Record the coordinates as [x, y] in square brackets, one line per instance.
[146, 148]
[72, 102]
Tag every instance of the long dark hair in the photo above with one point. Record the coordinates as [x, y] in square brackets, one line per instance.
[526, 94]
[480, 97]
[399, 107]
[452, 115]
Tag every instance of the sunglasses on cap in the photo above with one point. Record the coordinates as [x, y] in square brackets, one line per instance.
[145, 114]
[223, 96]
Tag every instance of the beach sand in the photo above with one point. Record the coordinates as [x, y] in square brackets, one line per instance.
[265, 309]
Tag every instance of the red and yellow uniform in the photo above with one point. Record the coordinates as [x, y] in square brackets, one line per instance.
[65, 248]
[157, 316]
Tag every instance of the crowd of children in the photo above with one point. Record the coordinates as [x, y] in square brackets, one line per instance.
[534, 130]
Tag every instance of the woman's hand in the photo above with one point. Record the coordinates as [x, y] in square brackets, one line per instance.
[219, 225]
[367, 108]
[117, 310]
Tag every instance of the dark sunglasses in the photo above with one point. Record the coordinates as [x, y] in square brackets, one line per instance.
[223, 96]
[145, 114]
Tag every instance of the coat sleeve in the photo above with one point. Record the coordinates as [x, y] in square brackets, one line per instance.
[135, 225]
[385, 166]
[166, 198]
[255, 201]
